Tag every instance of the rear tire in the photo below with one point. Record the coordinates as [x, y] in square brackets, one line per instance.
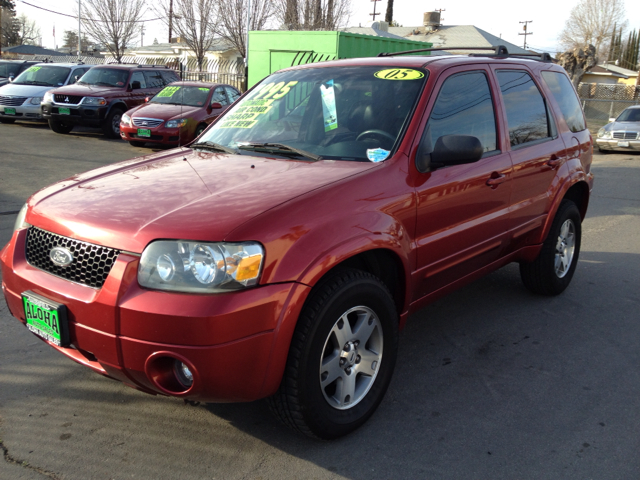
[551, 272]
[111, 125]
[59, 127]
[7, 120]
[341, 358]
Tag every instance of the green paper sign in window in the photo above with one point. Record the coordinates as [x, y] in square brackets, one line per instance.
[168, 91]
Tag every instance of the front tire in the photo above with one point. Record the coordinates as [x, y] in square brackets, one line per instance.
[59, 127]
[551, 272]
[111, 125]
[341, 358]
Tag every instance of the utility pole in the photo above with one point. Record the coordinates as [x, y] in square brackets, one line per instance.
[374, 10]
[170, 19]
[79, 32]
[142, 35]
[526, 32]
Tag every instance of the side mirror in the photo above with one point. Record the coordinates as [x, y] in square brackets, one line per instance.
[135, 85]
[11, 77]
[216, 105]
[612, 119]
[76, 78]
[450, 150]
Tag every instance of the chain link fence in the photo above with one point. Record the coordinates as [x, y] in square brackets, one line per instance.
[601, 102]
[231, 72]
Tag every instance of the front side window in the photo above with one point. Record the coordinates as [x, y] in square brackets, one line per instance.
[464, 107]
[355, 113]
[219, 96]
[565, 95]
[526, 110]
[232, 93]
[46, 76]
[139, 77]
[153, 79]
[105, 77]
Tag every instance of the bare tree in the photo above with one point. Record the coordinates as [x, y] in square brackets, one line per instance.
[193, 21]
[28, 31]
[577, 62]
[232, 25]
[312, 14]
[113, 23]
[592, 23]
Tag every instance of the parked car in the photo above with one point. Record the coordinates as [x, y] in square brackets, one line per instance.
[101, 96]
[9, 69]
[20, 99]
[176, 115]
[280, 254]
[621, 134]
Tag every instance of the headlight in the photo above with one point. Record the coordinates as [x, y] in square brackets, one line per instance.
[93, 101]
[35, 100]
[183, 266]
[125, 119]
[48, 98]
[20, 223]
[602, 133]
[181, 122]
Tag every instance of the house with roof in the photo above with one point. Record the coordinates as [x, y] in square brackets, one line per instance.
[32, 50]
[441, 36]
[610, 74]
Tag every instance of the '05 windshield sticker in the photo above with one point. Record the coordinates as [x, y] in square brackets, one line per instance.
[377, 154]
[168, 91]
[33, 69]
[203, 89]
[399, 74]
[328, 96]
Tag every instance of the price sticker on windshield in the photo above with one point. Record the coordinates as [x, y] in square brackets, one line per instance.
[399, 74]
[34, 69]
[168, 91]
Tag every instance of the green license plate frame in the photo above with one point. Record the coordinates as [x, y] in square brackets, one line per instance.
[46, 318]
[144, 132]
[64, 111]
[9, 111]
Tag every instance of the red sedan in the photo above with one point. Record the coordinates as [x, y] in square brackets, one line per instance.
[178, 114]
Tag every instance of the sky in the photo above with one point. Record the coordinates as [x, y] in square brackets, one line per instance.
[498, 17]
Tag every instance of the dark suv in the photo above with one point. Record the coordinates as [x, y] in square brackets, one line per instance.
[280, 254]
[9, 69]
[102, 95]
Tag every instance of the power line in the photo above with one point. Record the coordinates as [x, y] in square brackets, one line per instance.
[86, 19]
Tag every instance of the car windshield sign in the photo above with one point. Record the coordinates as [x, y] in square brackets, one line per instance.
[355, 113]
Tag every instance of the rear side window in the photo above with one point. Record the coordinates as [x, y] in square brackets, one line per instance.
[464, 107]
[526, 110]
[169, 76]
[565, 95]
[154, 79]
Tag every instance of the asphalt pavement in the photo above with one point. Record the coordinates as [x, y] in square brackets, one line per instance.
[491, 381]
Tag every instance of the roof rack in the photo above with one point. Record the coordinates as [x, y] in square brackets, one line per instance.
[498, 51]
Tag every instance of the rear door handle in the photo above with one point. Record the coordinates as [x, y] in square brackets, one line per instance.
[554, 161]
[496, 179]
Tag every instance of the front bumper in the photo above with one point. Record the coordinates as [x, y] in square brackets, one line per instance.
[27, 112]
[235, 344]
[615, 144]
[161, 135]
[90, 116]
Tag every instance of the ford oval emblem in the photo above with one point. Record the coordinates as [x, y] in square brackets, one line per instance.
[61, 256]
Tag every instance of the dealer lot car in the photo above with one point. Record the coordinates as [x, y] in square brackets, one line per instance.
[622, 134]
[20, 100]
[281, 253]
[9, 69]
[176, 115]
[101, 96]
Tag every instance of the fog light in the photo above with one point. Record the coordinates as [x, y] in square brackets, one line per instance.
[183, 374]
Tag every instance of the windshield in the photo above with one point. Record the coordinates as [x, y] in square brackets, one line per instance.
[106, 77]
[46, 76]
[352, 113]
[178, 95]
[629, 115]
[9, 69]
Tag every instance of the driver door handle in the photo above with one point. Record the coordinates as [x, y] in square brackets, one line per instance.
[496, 179]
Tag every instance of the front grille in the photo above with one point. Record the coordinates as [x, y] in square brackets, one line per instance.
[625, 135]
[12, 101]
[91, 263]
[67, 99]
[147, 122]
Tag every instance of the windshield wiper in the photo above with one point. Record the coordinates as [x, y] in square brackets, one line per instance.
[34, 82]
[103, 84]
[280, 148]
[214, 146]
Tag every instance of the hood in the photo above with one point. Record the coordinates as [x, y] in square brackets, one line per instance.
[629, 126]
[89, 90]
[164, 112]
[190, 195]
[14, 90]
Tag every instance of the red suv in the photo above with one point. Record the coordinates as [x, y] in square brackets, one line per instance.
[102, 95]
[280, 254]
